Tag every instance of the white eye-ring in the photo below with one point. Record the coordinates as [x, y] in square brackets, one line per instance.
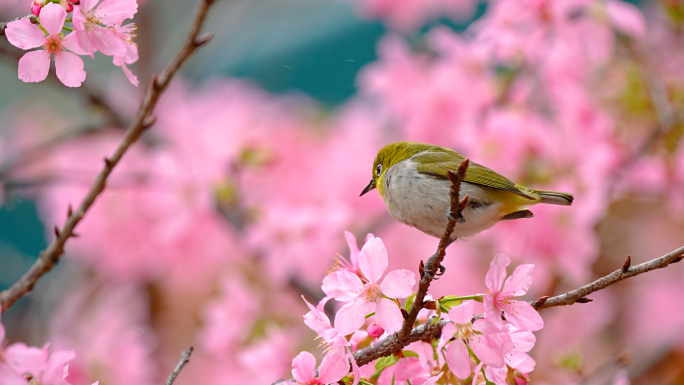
[378, 169]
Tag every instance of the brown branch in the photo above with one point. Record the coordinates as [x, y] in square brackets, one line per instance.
[143, 120]
[426, 332]
[434, 262]
[183, 361]
[430, 331]
[580, 294]
[407, 334]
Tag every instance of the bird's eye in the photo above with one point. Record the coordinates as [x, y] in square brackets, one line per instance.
[378, 169]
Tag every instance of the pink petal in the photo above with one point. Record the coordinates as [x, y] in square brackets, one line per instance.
[11, 377]
[373, 259]
[34, 66]
[523, 341]
[408, 368]
[355, 369]
[52, 18]
[519, 282]
[108, 42]
[84, 41]
[71, 43]
[24, 358]
[497, 272]
[398, 283]
[458, 358]
[487, 327]
[87, 4]
[304, 367]
[78, 19]
[131, 77]
[448, 332]
[24, 34]
[496, 375]
[463, 313]
[334, 366]
[111, 12]
[491, 312]
[57, 367]
[427, 381]
[388, 315]
[523, 316]
[487, 350]
[352, 316]
[342, 285]
[627, 18]
[69, 69]
[521, 361]
[353, 249]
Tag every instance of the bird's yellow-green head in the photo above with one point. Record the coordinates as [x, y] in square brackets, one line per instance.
[390, 155]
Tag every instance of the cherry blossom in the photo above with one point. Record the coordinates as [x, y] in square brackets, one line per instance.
[126, 33]
[34, 65]
[333, 368]
[320, 323]
[500, 296]
[91, 36]
[484, 338]
[365, 296]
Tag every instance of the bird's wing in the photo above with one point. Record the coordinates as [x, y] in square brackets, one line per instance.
[437, 164]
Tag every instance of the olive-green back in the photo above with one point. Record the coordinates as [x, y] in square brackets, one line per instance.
[437, 161]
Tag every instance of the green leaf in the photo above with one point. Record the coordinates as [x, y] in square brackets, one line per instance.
[409, 353]
[409, 302]
[385, 362]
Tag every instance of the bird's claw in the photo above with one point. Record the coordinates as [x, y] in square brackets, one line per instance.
[440, 271]
[450, 216]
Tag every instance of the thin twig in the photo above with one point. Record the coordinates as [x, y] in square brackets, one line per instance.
[580, 294]
[434, 262]
[143, 120]
[183, 361]
[407, 334]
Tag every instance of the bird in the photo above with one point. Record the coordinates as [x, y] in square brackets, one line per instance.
[412, 180]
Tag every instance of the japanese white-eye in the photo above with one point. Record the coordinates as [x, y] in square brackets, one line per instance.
[412, 180]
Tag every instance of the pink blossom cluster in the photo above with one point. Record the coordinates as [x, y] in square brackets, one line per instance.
[409, 15]
[97, 26]
[21, 364]
[495, 344]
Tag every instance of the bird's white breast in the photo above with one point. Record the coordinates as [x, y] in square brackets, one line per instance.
[422, 201]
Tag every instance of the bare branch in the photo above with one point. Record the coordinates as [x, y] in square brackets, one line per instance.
[580, 294]
[430, 331]
[435, 261]
[407, 334]
[50, 256]
[390, 345]
[183, 361]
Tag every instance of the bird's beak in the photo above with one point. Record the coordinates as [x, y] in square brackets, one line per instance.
[370, 186]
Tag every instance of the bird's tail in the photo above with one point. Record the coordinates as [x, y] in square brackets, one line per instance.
[555, 197]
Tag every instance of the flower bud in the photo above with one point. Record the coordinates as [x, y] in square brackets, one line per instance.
[35, 8]
[68, 6]
[74, 2]
[375, 330]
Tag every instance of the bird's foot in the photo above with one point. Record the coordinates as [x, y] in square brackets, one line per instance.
[450, 217]
[428, 271]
